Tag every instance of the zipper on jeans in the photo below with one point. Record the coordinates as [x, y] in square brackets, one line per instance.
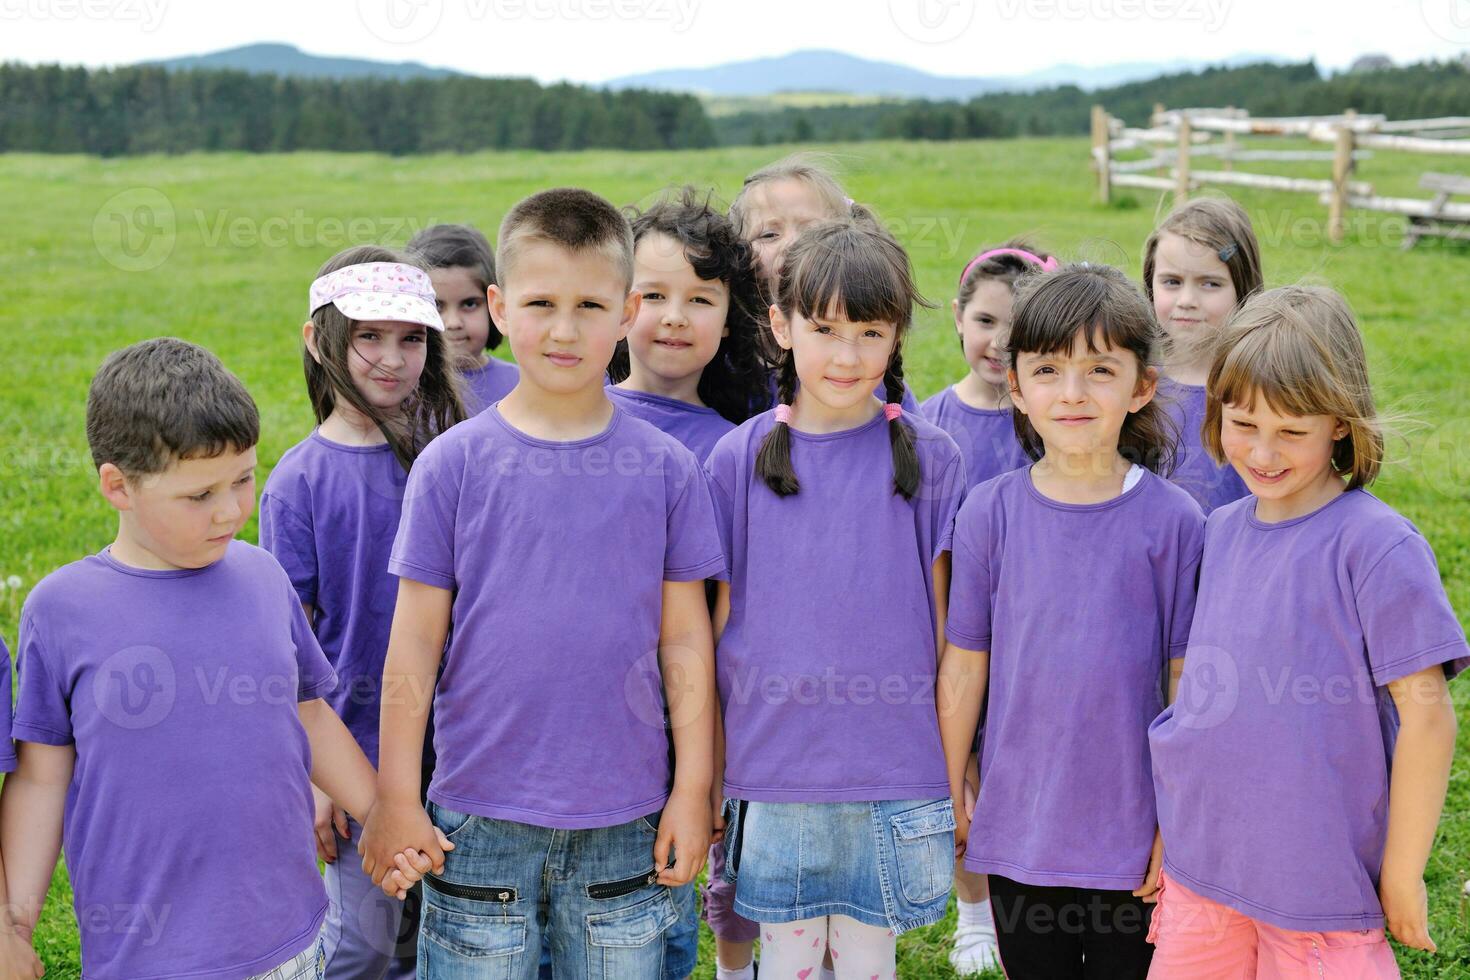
[477, 893]
[617, 889]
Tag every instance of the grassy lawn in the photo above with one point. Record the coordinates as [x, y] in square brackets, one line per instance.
[220, 250]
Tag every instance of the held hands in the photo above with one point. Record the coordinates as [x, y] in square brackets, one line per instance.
[684, 828]
[717, 810]
[18, 960]
[330, 824]
[400, 845]
[1406, 909]
[1149, 890]
[964, 810]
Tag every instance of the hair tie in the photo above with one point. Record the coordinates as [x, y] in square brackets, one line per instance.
[892, 410]
[1228, 252]
[783, 414]
[1047, 264]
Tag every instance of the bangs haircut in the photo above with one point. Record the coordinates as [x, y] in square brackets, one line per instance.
[1300, 349]
[1099, 304]
[855, 272]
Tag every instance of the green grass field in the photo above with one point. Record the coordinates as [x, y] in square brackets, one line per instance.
[220, 250]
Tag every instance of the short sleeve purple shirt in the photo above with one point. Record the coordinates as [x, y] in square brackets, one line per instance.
[187, 829]
[7, 750]
[986, 436]
[549, 709]
[1080, 607]
[1272, 766]
[827, 664]
[1209, 483]
[328, 513]
[487, 384]
[698, 427]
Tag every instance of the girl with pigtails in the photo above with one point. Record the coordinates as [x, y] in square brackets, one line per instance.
[834, 509]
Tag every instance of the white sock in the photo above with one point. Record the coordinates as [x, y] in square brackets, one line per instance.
[975, 915]
[746, 972]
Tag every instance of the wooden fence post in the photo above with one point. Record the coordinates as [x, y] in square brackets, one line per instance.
[1157, 120]
[1342, 168]
[1102, 158]
[1181, 164]
[1228, 156]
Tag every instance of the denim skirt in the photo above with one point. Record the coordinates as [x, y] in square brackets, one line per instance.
[885, 863]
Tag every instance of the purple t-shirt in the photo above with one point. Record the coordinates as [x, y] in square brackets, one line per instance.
[827, 664]
[187, 829]
[549, 710]
[487, 384]
[1210, 484]
[696, 426]
[328, 514]
[1080, 606]
[986, 436]
[1272, 766]
[7, 750]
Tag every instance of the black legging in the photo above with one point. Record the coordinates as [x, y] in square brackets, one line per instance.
[1059, 933]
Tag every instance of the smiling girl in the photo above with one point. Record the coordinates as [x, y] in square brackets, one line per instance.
[1323, 627]
[381, 385]
[1071, 598]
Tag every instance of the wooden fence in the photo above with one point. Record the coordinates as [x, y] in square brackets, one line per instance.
[1178, 141]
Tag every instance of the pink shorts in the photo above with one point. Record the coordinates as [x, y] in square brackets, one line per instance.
[1197, 939]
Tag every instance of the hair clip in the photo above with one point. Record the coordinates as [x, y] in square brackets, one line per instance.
[1228, 252]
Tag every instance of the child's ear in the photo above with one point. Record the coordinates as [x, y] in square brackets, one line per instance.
[780, 327]
[1014, 384]
[308, 337]
[113, 486]
[1143, 392]
[954, 305]
[1340, 430]
[631, 305]
[495, 303]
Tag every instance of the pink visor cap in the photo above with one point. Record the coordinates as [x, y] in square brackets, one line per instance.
[379, 291]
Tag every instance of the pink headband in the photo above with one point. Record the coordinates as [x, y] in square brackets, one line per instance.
[1047, 264]
[379, 291]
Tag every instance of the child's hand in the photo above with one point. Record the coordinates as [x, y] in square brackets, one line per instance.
[392, 828]
[409, 867]
[684, 829]
[18, 960]
[1149, 890]
[717, 810]
[963, 811]
[330, 823]
[1406, 909]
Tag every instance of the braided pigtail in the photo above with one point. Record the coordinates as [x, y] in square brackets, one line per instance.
[773, 462]
[906, 473]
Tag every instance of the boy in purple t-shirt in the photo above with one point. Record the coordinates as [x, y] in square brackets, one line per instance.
[170, 713]
[566, 543]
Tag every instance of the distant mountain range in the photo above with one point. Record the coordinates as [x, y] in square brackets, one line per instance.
[285, 59]
[834, 71]
[800, 71]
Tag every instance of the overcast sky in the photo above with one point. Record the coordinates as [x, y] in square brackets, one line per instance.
[593, 40]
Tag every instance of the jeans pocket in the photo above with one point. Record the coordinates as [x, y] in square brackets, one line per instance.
[923, 842]
[466, 936]
[627, 943]
[447, 821]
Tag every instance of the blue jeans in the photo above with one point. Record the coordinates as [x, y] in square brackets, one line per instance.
[590, 892]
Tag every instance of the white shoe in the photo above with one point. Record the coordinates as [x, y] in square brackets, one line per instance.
[974, 951]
